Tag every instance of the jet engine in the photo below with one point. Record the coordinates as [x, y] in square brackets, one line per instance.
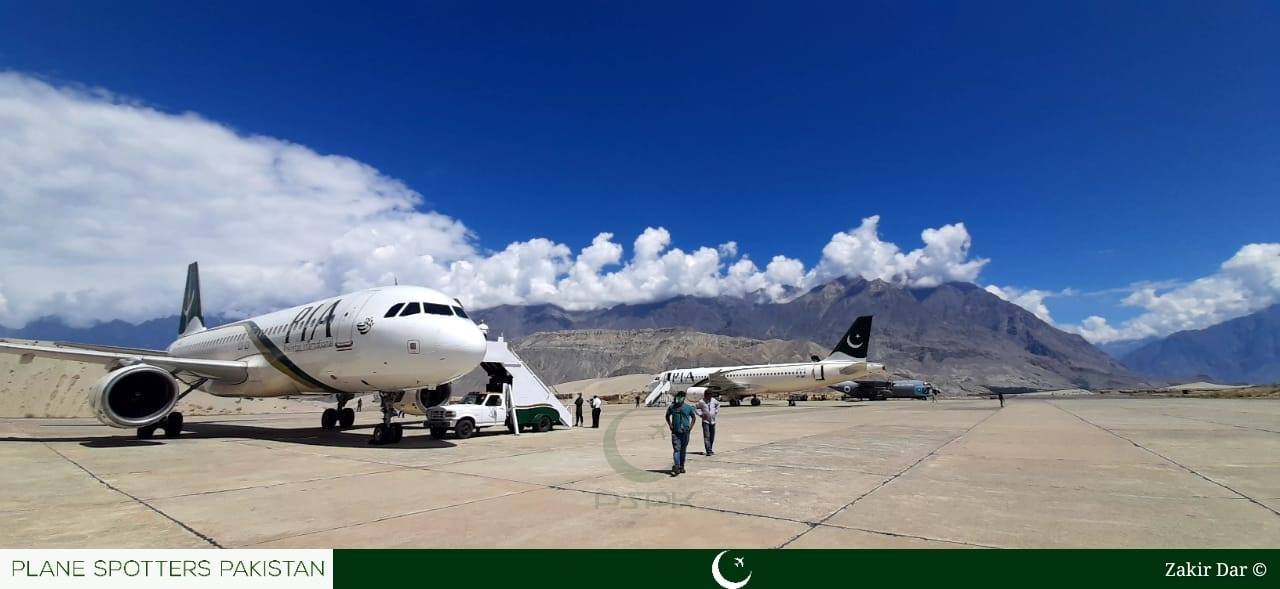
[416, 402]
[134, 396]
[694, 393]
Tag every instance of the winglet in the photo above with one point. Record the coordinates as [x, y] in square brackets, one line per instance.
[855, 341]
[192, 319]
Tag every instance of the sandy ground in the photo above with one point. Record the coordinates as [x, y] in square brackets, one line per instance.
[615, 385]
[1058, 472]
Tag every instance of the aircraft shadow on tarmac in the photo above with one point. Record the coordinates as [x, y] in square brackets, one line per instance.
[354, 437]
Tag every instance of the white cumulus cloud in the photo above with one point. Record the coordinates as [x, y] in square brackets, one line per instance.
[1247, 282]
[1031, 300]
[861, 252]
[106, 200]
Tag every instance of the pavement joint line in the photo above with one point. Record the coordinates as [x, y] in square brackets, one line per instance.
[1170, 460]
[184, 526]
[272, 485]
[817, 468]
[892, 478]
[1257, 429]
[396, 516]
[689, 505]
[1228, 424]
[898, 535]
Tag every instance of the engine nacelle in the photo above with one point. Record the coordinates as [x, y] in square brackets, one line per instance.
[694, 393]
[134, 396]
[417, 402]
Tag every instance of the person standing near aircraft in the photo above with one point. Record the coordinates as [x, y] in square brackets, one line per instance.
[708, 409]
[577, 420]
[680, 419]
[595, 411]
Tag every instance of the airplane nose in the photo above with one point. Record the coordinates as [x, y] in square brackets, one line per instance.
[463, 345]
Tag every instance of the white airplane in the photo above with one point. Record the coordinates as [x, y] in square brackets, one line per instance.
[405, 343]
[847, 361]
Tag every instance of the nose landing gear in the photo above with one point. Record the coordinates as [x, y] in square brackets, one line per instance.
[387, 432]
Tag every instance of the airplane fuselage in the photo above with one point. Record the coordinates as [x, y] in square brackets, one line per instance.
[344, 345]
[770, 378]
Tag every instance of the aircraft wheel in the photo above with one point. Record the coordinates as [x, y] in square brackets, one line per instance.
[464, 429]
[173, 425]
[346, 418]
[542, 424]
[146, 432]
[397, 432]
[755, 401]
[734, 402]
[381, 435]
[329, 418]
[439, 433]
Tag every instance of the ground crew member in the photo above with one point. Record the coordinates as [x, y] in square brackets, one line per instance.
[595, 411]
[708, 408]
[680, 418]
[577, 420]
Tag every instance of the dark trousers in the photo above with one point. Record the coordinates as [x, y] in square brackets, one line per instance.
[708, 436]
[577, 421]
[679, 444]
[595, 418]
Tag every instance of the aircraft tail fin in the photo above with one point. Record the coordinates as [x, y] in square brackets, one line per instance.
[192, 319]
[855, 341]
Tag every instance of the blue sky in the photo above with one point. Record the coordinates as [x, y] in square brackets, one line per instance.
[1083, 145]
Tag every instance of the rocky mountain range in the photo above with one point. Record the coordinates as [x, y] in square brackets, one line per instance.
[1242, 350]
[957, 334]
[561, 356]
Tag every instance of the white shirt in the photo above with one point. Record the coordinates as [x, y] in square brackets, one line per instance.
[595, 403]
[708, 410]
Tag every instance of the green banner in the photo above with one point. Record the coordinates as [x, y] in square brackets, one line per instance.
[751, 569]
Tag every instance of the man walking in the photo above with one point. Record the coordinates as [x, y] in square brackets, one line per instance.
[595, 411]
[577, 420]
[680, 418]
[708, 409]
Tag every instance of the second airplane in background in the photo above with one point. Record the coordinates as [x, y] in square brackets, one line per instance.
[847, 361]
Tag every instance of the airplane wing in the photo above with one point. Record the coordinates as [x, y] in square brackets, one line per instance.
[719, 383]
[228, 370]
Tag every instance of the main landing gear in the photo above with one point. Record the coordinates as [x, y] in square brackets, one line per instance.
[343, 417]
[755, 401]
[171, 424]
[387, 432]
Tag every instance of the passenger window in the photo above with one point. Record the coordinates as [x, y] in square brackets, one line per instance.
[410, 309]
[436, 309]
[459, 312]
[393, 310]
[493, 401]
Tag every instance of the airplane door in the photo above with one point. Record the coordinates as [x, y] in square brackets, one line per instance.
[353, 322]
[819, 373]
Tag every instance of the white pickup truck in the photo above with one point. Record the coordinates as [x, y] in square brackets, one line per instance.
[486, 409]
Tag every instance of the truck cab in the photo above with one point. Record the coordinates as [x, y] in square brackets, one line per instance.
[481, 409]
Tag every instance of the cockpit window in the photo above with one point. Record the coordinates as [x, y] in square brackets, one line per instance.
[459, 312]
[410, 309]
[436, 309]
[393, 310]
